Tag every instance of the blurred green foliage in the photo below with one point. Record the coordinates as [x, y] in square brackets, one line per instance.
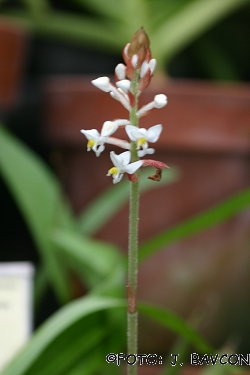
[171, 24]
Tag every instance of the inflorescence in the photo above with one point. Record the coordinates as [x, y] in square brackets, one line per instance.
[132, 78]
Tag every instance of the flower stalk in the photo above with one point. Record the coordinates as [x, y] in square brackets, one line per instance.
[132, 313]
[132, 78]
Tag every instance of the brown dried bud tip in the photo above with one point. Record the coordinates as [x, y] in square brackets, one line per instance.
[140, 41]
[157, 175]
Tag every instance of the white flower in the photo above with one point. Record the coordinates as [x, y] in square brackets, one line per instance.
[122, 165]
[142, 136]
[160, 101]
[95, 141]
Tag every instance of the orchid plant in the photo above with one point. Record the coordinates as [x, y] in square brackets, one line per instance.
[132, 78]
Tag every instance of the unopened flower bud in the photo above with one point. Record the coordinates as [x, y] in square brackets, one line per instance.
[134, 61]
[160, 100]
[124, 85]
[102, 83]
[139, 40]
[152, 65]
[120, 71]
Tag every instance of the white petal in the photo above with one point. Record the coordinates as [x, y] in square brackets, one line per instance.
[134, 61]
[126, 49]
[144, 152]
[150, 151]
[144, 68]
[121, 122]
[142, 132]
[124, 85]
[99, 150]
[160, 100]
[115, 159]
[108, 128]
[154, 133]
[152, 65]
[125, 158]
[120, 71]
[117, 178]
[131, 132]
[102, 83]
[131, 168]
[91, 134]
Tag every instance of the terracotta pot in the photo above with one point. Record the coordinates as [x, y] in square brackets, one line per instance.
[13, 45]
[207, 136]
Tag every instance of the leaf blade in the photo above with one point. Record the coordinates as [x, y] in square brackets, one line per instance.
[200, 222]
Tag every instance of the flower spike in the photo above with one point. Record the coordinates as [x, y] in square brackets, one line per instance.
[138, 65]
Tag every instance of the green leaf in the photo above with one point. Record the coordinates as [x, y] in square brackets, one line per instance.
[192, 20]
[205, 220]
[94, 260]
[105, 206]
[100, 34]
[175, 324]
[40, 201]
[111, 9]
[180, 347]
[64, 338]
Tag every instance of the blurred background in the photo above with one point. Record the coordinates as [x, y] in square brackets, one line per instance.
[203, 54]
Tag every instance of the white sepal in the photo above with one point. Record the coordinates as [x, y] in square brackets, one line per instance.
[102, 83]
[152, 65]
[124, 85]
[120, 71]
[108, 128]
[134, 61]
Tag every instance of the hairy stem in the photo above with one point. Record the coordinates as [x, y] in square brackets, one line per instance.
[132, 314]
